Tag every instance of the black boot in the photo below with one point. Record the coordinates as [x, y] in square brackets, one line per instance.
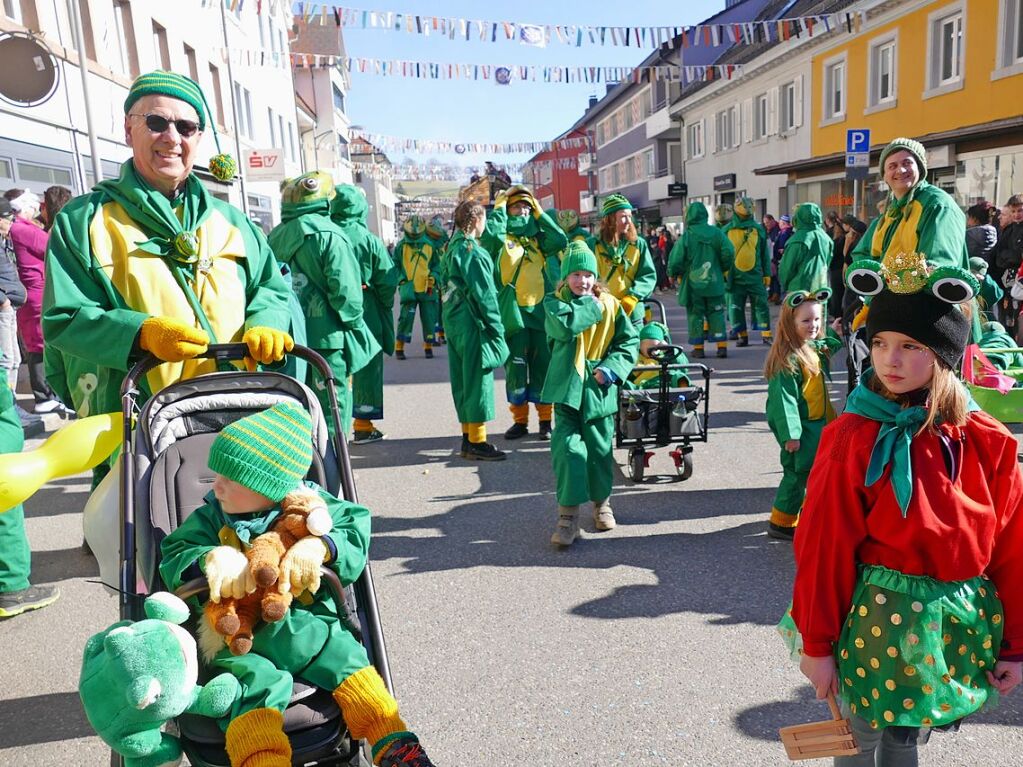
[465, 446]
[399, 354]
[517, 431]
[484, 451]
[429, 353]
[545, 431]
[742, 341]
[722, 351]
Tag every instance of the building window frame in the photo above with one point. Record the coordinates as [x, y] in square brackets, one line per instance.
[628, 116]
[760, 117]
[787, 107]
[880, 48]
[1009, 49]
[694, 139]
[835, 93]
[161, 45]
[218, 95]
[946, 69]
[124, 30]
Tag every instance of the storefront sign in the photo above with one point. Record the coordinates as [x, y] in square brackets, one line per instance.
[724, 183]
[678, 190]
[264, 164]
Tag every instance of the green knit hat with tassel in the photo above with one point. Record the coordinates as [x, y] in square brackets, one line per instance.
[614, 203]
[269, 452]
[578, 258]
[223, 166]
[912, 146]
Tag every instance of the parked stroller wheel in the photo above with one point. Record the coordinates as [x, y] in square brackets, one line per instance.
[637, 464]
[683, 464]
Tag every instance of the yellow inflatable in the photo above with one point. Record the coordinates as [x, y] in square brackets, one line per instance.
[72, 449]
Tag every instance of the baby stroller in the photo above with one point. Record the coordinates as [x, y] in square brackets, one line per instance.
[164, 477]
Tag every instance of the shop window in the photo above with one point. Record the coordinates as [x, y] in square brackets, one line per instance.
[29, 172]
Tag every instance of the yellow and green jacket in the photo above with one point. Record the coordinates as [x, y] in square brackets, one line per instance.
[796, 397]
[111, 264]
[627, 269]
[416, 263]
[752, 260]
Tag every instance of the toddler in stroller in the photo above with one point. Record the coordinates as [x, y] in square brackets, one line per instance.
[257, 461]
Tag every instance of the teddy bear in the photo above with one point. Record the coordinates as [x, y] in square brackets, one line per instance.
[137, 676]
[303, 512]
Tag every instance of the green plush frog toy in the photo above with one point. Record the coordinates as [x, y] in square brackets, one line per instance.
[137, 676]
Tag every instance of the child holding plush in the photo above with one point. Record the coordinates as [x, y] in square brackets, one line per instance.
[258, 461]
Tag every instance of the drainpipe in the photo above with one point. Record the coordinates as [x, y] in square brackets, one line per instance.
[83, 68]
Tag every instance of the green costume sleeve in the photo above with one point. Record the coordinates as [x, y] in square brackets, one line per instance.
[266, 299]
[645, 281]
[553, 240]
[941, 233]
[624, 348]
[862, 249]
[565, 319]
[795, 254]
[831, 342]
[189, 544]
[783, 395]
[82, 313]
[494, 233]
[480, 293]
[764, 256]
[350, 534]
[676, 259]
[383, 280]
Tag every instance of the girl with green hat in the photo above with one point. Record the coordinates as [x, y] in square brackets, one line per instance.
[624, 263]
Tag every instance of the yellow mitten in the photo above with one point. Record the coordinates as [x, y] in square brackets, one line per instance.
[300, 568]
[172, 340]
[267, 345]
[227, 571]
[629, 303]
[767, 281]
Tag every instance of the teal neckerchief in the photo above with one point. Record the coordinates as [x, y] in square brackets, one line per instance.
[522, 226]
[892, 446]
[246, 526]
[169, 236]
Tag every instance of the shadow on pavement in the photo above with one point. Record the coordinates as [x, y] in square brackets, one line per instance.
[63, 565]
[42, 719]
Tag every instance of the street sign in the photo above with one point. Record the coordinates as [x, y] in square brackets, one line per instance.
[857, 140]
[857, 160]
[263, 164]
[678, 190]
[857, 153]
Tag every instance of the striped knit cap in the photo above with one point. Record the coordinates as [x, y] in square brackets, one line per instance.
[268, 452]
[614, 203]
[171, 84]
[912, 146]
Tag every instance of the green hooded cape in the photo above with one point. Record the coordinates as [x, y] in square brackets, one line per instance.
[804, 265]
[700, 257]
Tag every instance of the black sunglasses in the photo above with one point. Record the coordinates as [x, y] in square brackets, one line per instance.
[159, 124]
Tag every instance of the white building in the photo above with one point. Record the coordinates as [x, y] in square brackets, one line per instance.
[374, 174]
[250, 91]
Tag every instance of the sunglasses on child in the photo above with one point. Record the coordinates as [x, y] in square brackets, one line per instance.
[159, 124]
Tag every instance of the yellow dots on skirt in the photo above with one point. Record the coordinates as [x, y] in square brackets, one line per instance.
[962, 649]
[889, 685]
[973, 658]
[926, 721]
[953, 619]
[908, 704]
[861, 672]
[909, 671]
[893, 652]
[875, 630]
[982, 591]
[972, 699]
[896, 619]
[927, 689]
[865, 702]
[952, 670]
[875, 694]
[929, 659]
[858, 641]
[917, 607]
[852, 707]
[880, 599]
[862, 611]
[946, 678]
[987, 643]
[996, 619]
[981, 613]
[981, 664]
[913, 639]
[889, 716]
[945, 707]
[966, 678]
[848, 682]
[873, 723]
[875, 664]
[933, 626]
[844, 654]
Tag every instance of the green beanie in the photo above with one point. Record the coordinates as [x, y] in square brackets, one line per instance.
[170, 84]
[268, 452]
[912, 146]
[614, 203]
[578, 258]
[654, 331]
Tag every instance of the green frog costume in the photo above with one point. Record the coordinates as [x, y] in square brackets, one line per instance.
[270, 453]
[699, 261]
[525, 250]
[417, 264]
[439, 238]
[328, 280]
[589, 333]
[568, 220]
[804, 265]
[348, 210]
[749, 279]
[626, 268]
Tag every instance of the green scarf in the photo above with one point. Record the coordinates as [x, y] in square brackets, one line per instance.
[892, 446]
[522, 226]
[249, 526]
[616, 253]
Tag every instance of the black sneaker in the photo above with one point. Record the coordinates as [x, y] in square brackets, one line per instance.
[723, 352]
[365, 437]
[779, 532]
[733, 335]
[429, 354]
[697, 354]
[17, 602]
[742, 341]
[399, 354]
[405, 752]
[465, 446]
[517, 431]
[545, 431]
[484, 451]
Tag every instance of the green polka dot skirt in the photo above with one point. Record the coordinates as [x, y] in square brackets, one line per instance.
[914, 651]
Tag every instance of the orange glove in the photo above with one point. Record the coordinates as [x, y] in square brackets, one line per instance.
[267, 345]
[172, 340]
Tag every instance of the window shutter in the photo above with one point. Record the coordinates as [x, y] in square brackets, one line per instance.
[797, 102]
[747, 120]
[684, 143]
[772, 112]
[736, 127]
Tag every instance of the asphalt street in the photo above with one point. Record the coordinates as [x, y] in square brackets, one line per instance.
[653, 644]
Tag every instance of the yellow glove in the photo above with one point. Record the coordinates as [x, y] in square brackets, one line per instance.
[300, 568]
[501, 199]
[629, 303]
[267, 345]
[172, 340]
[860, 319]
[227, 571]
[767, 282]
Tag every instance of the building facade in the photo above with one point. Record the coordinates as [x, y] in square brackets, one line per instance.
[555, 174]
[373, 174]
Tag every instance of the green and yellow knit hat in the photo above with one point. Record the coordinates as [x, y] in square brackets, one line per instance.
[163, 83]
[578, 258]
[614, 203]
[268, 452]
[912, 146]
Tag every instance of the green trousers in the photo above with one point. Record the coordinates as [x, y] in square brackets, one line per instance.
[796, 468]
[529, 356]
[472, 388]
[15, 557]
[711, 309]
[427, 304]
[311, 645]
[344, 396]
[754, 292]
[581, 456]
[368, 390]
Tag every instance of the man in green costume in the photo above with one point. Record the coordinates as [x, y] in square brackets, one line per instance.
[151, 261]
[348, 210]
[328, 280]
[699, 261]
[417, 264]
[751, 275]
[438, 235]
[525, 244]
[804, 265]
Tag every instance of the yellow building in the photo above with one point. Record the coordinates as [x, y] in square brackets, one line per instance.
[946, 72]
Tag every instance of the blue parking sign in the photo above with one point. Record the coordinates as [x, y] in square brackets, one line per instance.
[857, 140]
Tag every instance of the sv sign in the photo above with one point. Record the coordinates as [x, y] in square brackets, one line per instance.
[264, 164]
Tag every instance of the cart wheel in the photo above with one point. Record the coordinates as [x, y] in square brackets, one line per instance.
[685, 467]
[637, 464]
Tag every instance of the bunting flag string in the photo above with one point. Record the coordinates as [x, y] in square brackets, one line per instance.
[577, 35]
[416, 146]
[411, 171]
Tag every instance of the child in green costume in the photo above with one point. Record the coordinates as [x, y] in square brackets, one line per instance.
[752, 273]
[798, 407]
[653, 335]
[804, 264]
[438, 236]
[595, 347]
[328, 280]
[990, 291]
[698, 262]
[258, 461]
[416, 262]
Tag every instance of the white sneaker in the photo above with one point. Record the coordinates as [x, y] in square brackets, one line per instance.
[48, 406]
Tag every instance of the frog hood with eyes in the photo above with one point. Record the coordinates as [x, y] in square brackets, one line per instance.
[414, 227]
[309, 193]
[137, 676]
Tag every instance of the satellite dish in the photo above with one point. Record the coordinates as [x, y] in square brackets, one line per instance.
[28, 71]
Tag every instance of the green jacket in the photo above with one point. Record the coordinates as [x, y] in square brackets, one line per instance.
[470, 308]
[995, 338]
[106, 276]
[787, 407]
[328, 280]
[751, 248]
[349, 210]
[626, 269]
[416, 263]
[700, 257]
[579, 348]
[804, 265]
